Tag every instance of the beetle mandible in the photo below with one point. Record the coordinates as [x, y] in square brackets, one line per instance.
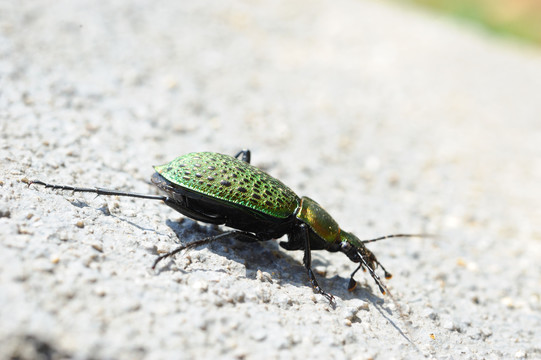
[225, 190]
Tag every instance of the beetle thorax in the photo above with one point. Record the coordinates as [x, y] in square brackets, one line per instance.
[319, 220]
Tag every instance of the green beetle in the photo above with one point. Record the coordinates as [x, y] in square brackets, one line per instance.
[225, 190]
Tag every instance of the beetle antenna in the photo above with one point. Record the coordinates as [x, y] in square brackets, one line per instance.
[397, 235]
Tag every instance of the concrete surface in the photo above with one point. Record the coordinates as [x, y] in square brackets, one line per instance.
[393, 119]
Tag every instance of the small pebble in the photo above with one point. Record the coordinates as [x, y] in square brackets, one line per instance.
[263, 276]
[54, 258]
[200, 286]
[4, 212]
[430, 313]
[97, 246]
[448, 324]
[258, 335]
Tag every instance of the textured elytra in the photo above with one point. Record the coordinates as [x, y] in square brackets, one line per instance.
[232, 180]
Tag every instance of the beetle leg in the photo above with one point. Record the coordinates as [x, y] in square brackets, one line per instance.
[241, 235]
[388, 275]
[307, 260]
[292, 245]
[245, 155]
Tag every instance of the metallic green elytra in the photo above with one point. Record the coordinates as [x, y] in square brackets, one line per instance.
[226, 178]
[225, 190]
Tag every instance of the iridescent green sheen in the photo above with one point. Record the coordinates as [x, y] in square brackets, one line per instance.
[231, 180]
[352, 239]
[319, 220]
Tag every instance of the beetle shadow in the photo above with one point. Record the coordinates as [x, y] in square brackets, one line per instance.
[253, 255]
[269, 257]
[339, 284]
[188, 231]
[397, 328]
[82, 204]
[266, 256]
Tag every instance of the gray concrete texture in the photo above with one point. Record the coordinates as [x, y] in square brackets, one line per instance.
[393, 119]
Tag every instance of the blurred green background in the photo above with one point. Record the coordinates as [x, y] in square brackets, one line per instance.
[520, 19]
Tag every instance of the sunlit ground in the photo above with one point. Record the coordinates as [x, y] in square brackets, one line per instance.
[520, 19]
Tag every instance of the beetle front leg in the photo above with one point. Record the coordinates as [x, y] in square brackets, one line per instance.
[307, 260]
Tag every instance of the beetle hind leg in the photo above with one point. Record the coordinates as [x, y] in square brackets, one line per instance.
[240, 235]
[246, 154]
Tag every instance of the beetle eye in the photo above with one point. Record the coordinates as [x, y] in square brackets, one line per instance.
[345, 245]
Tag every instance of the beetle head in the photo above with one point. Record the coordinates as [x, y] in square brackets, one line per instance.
[357, 252]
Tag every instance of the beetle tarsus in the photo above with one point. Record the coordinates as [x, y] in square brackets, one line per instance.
[387, 274]
[352, 283]
[318, 288]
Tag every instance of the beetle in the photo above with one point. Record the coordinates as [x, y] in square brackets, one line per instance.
[226, 190]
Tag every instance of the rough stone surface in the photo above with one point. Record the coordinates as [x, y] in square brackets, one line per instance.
[392, 119]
